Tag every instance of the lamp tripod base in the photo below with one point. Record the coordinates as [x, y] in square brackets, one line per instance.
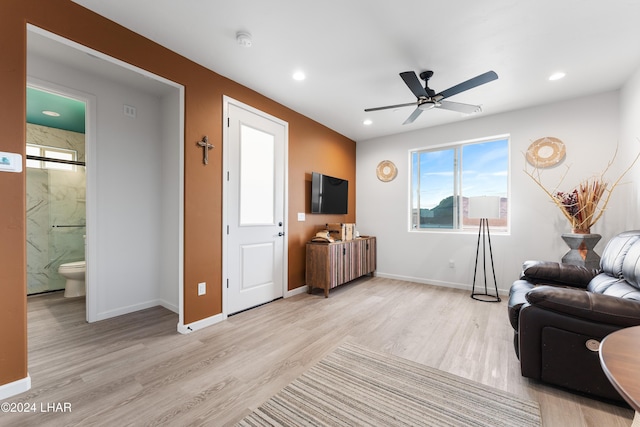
[485, 235]
[486, 297]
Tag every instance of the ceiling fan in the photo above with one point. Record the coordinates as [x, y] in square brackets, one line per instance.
[428, 98]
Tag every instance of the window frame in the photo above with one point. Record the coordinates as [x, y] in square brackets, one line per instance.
[458, 226]
[43, 151]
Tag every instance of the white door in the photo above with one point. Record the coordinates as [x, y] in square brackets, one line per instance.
[255, 208]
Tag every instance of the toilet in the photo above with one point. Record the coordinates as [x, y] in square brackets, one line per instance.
[74, 272]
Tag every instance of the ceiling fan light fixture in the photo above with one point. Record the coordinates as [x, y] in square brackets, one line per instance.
[428, 105]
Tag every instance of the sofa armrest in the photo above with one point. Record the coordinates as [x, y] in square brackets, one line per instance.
[586, 305]
[555, 273]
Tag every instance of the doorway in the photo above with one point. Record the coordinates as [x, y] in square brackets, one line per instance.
[135, 175]
[56, 187]
[255, 242]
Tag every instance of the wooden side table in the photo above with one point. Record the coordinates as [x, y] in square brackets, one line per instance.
[620, 360]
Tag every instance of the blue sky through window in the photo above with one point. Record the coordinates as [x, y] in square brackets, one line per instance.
[484, 172]
[485, 169]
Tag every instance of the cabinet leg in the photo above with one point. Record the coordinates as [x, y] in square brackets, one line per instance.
[326, 292]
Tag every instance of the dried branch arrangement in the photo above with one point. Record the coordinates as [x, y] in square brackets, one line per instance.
[581, 205]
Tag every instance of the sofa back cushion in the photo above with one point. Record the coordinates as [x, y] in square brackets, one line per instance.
[607, 285]
[615, 252]
[631, 266]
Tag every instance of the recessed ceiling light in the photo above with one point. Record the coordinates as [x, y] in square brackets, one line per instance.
[367, 122]
[557, 76]
[299, 75]
[51, 113]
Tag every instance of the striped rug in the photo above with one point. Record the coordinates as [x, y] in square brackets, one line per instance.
[354, 386]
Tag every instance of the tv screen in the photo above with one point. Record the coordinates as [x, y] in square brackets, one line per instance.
[329, 195]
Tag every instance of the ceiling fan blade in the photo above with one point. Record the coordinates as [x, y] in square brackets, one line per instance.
[459, 107]
[469, 84]
[413, 116]
[411, 80]
[391, 106]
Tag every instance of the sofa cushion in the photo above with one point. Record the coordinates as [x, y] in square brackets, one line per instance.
[607, 285]
[517, 297]
[631, 265]
[586, 305]
[615, 252]
[555, 273]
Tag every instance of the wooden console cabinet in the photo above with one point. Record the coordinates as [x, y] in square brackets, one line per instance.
[331, 264]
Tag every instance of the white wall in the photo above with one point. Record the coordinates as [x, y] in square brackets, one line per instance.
[132, 191]
[630, 143]
[588, 126]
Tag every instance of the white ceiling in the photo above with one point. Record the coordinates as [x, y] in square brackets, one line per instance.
[353, 50]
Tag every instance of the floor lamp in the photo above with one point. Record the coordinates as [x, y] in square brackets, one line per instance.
[484, 207]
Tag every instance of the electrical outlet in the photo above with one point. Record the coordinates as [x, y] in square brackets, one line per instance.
[202, 288]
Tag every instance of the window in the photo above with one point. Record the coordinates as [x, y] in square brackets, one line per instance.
[443, 179]
[52, 153]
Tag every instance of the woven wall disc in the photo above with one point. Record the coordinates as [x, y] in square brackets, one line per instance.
[546, 152]
[386, 171]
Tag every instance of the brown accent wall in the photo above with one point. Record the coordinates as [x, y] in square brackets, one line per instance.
[312, 147]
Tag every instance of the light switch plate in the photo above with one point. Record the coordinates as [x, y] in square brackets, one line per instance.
[202, 288]
[301, 216]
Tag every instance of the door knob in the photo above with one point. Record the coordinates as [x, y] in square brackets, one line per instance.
[281, 234]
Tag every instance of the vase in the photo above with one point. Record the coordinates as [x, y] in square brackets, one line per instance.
[581, 249]
[581, 230]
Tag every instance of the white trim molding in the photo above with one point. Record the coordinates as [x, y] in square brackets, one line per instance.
[300, 290]
[15, 388]
[440, 283]
[201, 324]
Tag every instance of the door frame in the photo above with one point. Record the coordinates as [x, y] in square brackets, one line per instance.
[91, 173]
[226, 101]
[92, 245]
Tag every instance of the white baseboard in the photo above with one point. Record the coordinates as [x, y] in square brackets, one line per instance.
[301, 290]
[463, 286]
[169, 306]
[15, 388]
[130, 309]
[200, 324]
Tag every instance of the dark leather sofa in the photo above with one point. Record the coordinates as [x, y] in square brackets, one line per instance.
[561, 312]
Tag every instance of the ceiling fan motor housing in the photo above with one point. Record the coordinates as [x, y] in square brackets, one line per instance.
[426, 75]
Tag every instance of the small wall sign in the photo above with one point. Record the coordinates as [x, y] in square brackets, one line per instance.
[10, 162]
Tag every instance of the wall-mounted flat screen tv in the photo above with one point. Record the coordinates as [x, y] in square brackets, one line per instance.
[329, 195]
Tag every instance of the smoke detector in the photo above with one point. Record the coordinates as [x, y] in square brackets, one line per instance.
[244, 38]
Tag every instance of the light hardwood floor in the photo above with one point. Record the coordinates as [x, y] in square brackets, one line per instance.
[137, 370]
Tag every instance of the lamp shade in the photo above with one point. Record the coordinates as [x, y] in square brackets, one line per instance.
[484, 207]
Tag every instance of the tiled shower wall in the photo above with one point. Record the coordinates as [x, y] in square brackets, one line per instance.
[54, 197]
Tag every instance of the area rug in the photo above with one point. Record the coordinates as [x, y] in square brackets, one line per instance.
[355, 386]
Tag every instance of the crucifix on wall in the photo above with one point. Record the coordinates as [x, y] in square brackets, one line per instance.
[205, 147]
